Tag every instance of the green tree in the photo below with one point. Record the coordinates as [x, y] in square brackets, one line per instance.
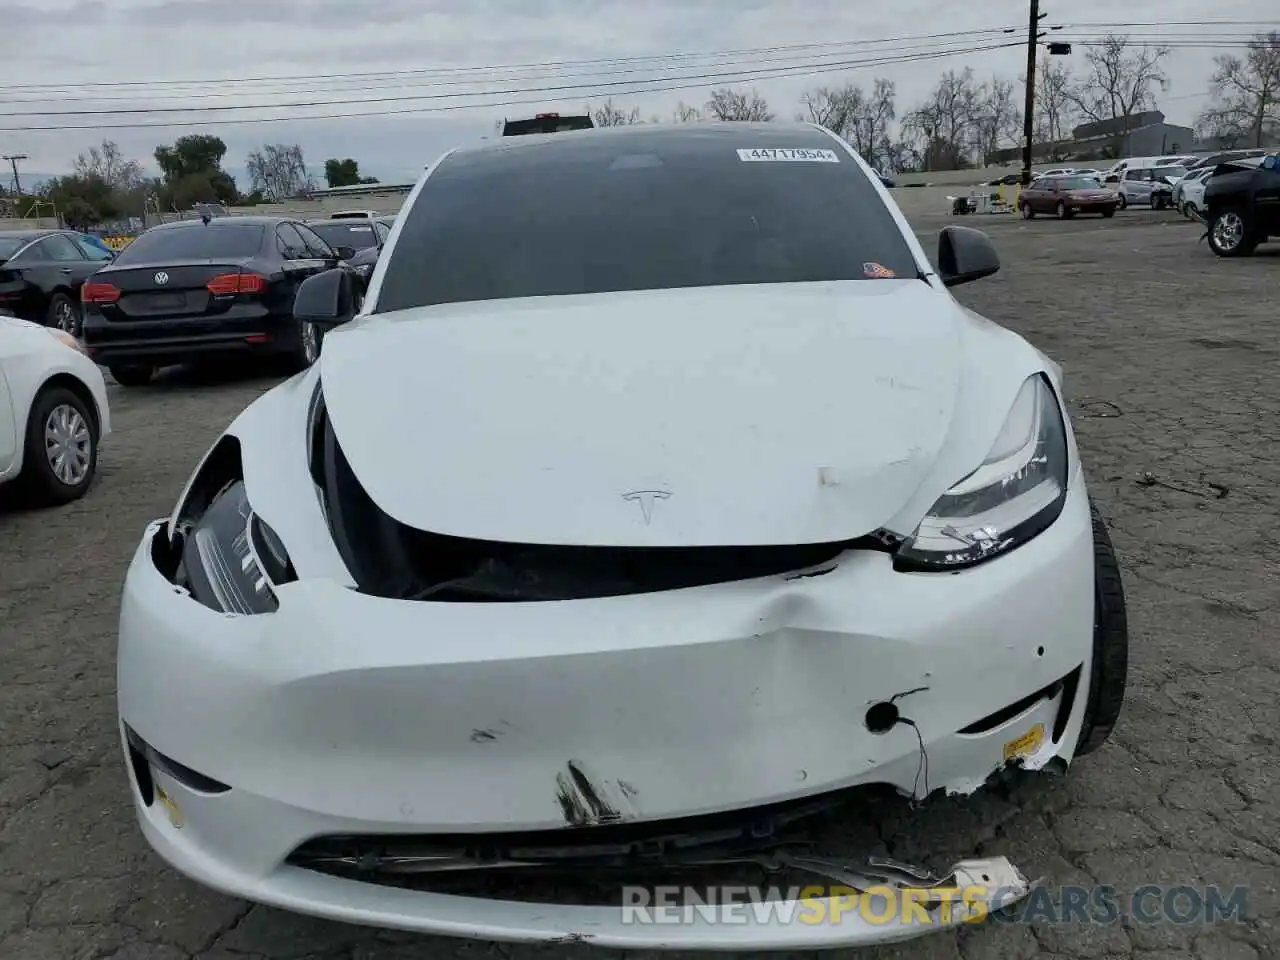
[192, 154]
[341, 173]
[82, 199]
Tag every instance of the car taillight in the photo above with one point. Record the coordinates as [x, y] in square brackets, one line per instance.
[99, 293]
[229, 283]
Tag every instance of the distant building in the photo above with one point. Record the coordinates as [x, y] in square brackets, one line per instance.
[1148, 136]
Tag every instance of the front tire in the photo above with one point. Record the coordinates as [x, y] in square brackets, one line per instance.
[60, 455]
[1109, 672]
[1231, 233]
[1124, 204]
[1025, 209]
[1061, 210]
[1109, 212]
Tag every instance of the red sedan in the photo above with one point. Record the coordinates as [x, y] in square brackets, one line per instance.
[1065, 197]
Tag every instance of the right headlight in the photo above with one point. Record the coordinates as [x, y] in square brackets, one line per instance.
[231, 559]
[1015, 493]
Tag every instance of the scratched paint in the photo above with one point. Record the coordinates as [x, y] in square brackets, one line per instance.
[582, 803]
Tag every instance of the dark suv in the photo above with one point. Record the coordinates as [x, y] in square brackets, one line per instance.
[1242, 205]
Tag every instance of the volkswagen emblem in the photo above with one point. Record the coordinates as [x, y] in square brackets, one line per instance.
[161, 278]
[646, 500]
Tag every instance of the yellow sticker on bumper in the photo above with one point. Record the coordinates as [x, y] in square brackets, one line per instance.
[1025, 745]
[176, 819]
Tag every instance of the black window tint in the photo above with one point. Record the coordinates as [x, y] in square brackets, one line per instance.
[291, 244]
[574, 215]
[316, 247]
[9, 246]
[346, 233]
[209, 241]
[59, 249]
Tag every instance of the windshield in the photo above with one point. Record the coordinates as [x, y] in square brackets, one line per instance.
[209, 241]
[657, 210]
[1077, 183]
[345, 233]
[11, 245]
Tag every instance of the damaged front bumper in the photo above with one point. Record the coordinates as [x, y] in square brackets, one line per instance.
[257, 742]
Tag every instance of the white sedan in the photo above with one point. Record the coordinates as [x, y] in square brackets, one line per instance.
[53, 411]
[641, 513]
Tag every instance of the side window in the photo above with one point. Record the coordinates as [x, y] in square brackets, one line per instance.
[315, 245]
[382, 231]
[290, 243]
[91, 250]
[60, 249]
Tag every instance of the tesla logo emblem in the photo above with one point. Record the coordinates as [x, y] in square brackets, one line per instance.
[162, 278]
[646, 499]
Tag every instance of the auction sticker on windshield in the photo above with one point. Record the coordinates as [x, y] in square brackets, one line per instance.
[787, 155]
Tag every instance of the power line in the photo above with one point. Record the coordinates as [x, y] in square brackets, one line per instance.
[554, 88]
[658, 85]
[151, 101]
[659, 59]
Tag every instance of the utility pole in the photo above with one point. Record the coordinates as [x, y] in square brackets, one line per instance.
[1029, 114]
[13, 159]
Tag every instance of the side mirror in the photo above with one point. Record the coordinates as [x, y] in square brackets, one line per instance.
[345, 253]
[326, 299]
[965, 255]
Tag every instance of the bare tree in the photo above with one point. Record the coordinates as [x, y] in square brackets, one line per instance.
[1245, 103]
[882, 110]
[996, 118]
[1120, 82]
[940, 130]
[837, 108]
[278, 170]
[610, 115]
[108, 164]
[684, 113]
[729, 104]
[1055, 111]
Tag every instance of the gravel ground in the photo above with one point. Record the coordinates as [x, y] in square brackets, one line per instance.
[1170, 357]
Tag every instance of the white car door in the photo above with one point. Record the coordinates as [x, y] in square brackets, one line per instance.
[8, 424]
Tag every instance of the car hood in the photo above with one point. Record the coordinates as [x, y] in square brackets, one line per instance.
[792, 413]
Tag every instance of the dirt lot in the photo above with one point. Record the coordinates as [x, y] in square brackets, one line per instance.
[1170, 358]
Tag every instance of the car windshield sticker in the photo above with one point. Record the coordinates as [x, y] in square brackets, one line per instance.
[787, 155]
[874, 271]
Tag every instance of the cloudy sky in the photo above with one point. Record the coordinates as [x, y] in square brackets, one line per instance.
[481, 58]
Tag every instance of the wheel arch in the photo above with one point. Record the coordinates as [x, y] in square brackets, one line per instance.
[76, 386]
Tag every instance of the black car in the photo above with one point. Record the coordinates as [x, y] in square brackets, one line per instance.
[1226, 156]
[41, 272]
[196, 290]
[366, 237]
[1242, 206]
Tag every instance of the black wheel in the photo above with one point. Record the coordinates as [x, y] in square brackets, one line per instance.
[1124, 204]
[63, 314]
[1159, 203]
[1110, 643]
[1231, 233]
[60, 455]
[132, 374]
[1026, 211]
[1108, 212]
